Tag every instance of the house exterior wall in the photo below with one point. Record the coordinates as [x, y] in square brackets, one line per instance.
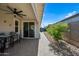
[37, 30]
[9, 26]
[6, 23]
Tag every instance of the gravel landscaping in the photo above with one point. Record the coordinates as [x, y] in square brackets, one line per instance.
[64, 48]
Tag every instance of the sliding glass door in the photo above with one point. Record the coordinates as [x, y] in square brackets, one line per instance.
[28, 29]
[31, 29]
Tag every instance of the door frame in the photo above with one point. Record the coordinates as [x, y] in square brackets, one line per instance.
[18, 26]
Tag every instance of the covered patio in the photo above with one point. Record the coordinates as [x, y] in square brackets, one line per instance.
[20, 21]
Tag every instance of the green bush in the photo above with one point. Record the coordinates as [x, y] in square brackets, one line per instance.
[57, 30]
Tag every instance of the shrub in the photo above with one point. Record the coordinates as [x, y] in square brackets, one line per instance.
[57, 30]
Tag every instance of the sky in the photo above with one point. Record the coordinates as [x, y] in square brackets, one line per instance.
[54, 12]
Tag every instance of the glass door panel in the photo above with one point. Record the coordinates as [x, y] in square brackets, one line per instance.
[25, 29]
[31, 29]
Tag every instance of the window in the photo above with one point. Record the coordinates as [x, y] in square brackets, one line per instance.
[16, 26]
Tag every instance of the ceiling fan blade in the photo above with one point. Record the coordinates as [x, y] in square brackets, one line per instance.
[22, 14]
[4, 10]
[8, 13]
[10, 8]
[19, 11]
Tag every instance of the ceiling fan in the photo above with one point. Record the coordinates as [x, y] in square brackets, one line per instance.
[13, 11]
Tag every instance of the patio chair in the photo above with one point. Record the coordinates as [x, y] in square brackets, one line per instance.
[5, 39]
[13, 38]
[2, 45]
[2, 33]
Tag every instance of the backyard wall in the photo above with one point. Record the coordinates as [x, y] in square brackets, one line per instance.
[73, 35]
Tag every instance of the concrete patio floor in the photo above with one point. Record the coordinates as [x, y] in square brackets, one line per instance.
[26, 47]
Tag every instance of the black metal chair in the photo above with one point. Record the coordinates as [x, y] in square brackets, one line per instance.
[2, 44]
[12, 34]
[13, 38]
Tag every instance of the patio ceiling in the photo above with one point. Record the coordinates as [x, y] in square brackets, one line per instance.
[27, 9]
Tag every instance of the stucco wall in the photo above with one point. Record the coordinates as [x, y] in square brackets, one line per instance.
[37, 30]
[9, 25]
[6, 23]
[74, 32]
[73, 35]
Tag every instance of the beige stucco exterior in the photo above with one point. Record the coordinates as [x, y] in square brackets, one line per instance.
[7, 21]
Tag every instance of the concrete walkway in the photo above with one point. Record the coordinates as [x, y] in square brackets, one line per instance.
[43, 48]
